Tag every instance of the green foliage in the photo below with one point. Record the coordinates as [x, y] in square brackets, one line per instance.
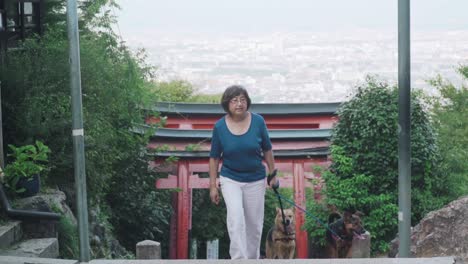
[26, 161]
[174, 91]
[315, 225]
[115, 89]
[139, 211]
[103, 243]
[67, 235]
[206, 98]
[450, 115]
[364, 172]
[68, 239]
[209, 221]
[210, 218]
[92, 14]
[193, 147]
[181, 91]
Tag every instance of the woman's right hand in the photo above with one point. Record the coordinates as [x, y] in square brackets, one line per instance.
[214, 195]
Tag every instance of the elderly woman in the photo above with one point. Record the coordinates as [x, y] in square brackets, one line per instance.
[241, 140]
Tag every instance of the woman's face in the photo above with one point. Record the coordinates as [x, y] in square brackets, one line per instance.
[238, 105]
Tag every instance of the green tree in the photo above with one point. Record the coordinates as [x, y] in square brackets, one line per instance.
[209, 222]
[450, 115]
[364, 172]
[206, 98]
[139, 211]
[174, 91]
[38, 95]
[181, 91]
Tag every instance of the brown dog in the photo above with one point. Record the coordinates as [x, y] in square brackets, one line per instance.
[340, 242]
[281, 239]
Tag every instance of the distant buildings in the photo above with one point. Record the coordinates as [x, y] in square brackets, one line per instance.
[304, 67]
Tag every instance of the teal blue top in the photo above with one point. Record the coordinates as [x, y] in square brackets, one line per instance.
[242, 154]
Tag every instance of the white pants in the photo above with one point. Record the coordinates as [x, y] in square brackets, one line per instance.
[245, 204]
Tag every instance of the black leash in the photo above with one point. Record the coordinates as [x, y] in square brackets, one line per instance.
[275, 189]
[280, 197]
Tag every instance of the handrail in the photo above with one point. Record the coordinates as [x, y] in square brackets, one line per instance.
[20, 213]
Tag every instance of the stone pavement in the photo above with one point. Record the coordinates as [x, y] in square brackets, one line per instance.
[27, 260]
[437, 260]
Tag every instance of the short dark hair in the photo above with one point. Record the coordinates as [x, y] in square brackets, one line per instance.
[231, 92]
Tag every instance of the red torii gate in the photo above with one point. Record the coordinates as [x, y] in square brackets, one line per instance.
[299, 134]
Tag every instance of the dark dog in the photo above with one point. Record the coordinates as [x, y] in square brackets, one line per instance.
[281, 239]
[340, 242]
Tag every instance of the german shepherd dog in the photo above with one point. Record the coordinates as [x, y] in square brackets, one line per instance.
[281, 239]
[346, 228]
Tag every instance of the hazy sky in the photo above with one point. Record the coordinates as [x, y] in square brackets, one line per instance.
[284, 15]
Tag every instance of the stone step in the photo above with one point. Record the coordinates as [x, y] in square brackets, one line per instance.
[26, 260]
[36, 247]
[10, 233]
[436, 260]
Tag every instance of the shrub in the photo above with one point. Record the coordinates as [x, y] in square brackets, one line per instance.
[364, 170]
[139, 211]
[450, 115]
[26, 162]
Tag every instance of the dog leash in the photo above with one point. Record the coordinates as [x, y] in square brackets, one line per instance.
[275, 189]
[280, 197]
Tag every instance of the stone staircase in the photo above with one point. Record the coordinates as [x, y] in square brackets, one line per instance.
[21, 239]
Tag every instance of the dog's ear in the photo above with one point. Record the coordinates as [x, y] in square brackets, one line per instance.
[278, 210]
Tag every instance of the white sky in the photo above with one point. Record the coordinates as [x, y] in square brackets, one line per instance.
[223, 16]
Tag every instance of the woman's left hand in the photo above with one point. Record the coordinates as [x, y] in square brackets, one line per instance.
[274, 182]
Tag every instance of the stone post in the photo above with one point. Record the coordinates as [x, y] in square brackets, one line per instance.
[148, 249]
[361, 247]
[212, 249]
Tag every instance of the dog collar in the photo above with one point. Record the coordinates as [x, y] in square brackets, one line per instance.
[346, 238]
[285, 239]
[288, 237]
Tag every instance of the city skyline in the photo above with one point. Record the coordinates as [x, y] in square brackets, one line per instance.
[304, 67]
[293, 64]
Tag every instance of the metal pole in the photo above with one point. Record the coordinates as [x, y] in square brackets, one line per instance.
[2, 157]
[2, 65]
[77, 129]
[404, 129]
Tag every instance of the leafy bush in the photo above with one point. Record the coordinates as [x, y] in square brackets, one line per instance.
[68, 239]
[67, 235]
[450, 115]
[208, 222]
[139, 211]
[181, 91]
[26, 161]
[364, 171]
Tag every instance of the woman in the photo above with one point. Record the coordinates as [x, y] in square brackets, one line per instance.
[241, 139]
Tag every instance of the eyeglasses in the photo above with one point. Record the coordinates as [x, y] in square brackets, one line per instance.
[235, 101]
